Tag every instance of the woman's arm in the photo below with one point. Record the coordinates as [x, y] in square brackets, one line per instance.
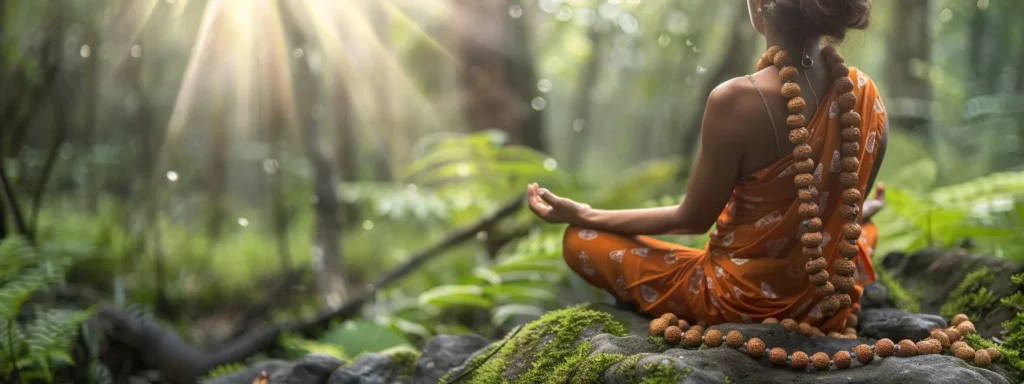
[711, 183]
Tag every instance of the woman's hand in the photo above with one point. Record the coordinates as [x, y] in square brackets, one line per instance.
[554, 209]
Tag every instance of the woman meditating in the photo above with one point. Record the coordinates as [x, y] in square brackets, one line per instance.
[786, 157]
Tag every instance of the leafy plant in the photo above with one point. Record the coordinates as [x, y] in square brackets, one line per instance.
[31, 349]
[971, 296]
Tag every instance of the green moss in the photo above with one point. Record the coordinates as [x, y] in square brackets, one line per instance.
[405, 360]
[662, 372]
[627, 368]
[971, 296]
[223, 370]
[658, 342]
[900, 296]
[1012, 348]
[545, 350]
[592, 368]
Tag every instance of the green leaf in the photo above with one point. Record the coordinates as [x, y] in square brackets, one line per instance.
[358, 336]
[455, 295]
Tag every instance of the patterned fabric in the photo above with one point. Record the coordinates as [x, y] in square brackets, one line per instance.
[752, 267]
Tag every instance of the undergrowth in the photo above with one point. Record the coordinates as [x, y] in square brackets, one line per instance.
[972, 296]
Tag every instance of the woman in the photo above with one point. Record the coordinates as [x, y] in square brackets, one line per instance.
[785, 156]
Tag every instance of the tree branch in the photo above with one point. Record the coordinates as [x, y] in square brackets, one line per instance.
[163, 350]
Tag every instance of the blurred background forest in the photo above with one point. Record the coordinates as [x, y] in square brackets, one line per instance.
[222, 164]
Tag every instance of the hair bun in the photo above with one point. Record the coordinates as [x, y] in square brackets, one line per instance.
[820, 17]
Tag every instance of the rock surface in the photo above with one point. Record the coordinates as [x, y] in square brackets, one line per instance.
[610, 345]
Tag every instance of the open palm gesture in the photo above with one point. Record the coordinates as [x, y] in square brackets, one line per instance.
[552, 208]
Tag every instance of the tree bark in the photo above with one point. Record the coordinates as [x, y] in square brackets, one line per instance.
[910, 96]
[581, 117]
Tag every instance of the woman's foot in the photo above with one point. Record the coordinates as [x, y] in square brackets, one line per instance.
[871, 207]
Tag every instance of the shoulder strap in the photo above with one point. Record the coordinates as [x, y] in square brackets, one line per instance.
[775, 130]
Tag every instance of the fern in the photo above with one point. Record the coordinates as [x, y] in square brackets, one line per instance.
[223, 370]
[31, 348]
[971, 296]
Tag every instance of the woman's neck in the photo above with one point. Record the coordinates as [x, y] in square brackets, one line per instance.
[797, 47]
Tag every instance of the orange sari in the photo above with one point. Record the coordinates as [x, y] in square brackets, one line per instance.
[752, 267]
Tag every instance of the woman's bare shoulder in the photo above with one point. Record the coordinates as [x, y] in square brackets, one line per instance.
[735, 102]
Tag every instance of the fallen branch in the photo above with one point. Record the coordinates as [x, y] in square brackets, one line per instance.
[181, 363]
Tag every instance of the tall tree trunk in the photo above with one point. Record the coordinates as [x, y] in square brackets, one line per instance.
[218, 171]
[498, 79]
[581, 110]
[90, 97]
[327, 253]
[734, 63]
[385, 107]
[910, 96]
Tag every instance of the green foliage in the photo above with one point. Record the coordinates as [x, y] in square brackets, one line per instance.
[972, 296]
[1012, 347]
[900, 296]
[32, 348]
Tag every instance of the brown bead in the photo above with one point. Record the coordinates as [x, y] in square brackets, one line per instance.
[966, 328]
[982, 359]
[673, 335]
[770, 53]
[929, 347]
[799, 360]
[813, 224]
[843, 85]
[850, 164]
[825, 290]
[847, 101]
[803, 151]
[864, 354]
[885, 347]
[670, 318]
[843, 267]
[851, 196]
[811, 239]
[806, 329]
[849, 331]
[788, 74]
[771, 320]
[848, 250]
[965, 353]
[818, 333]
[693, 338]
[734, 339]
[807, 211]
[812, 252]
[840, 70]
[799, 136]
[993, 353]
[849, 212]
[959, 318]
[806, 166]
[954, 334]
[807, 194]
[850, 134]
[850, 149]
[821, 361]
[851, 118]
[698, 327]
[795, 121]
[829, 50]
[844, 284]
[848, 179]
[796, 104]
[790, 324]
[851, 231]
[819, 278]
[815, 265]
[657, 327]
[777, 356]
[958, 345]
[844, 298]
[941, 337]
[830, 304]
[855, 308]
[713, 338]
[842, 359]
[683, 324]
[803, 180]
[781, 59]
[755, 347]
[835, 335]
[852, 320]
[790, 90]
[907, 348]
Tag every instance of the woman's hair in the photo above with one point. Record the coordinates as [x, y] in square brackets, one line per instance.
[817, 17]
